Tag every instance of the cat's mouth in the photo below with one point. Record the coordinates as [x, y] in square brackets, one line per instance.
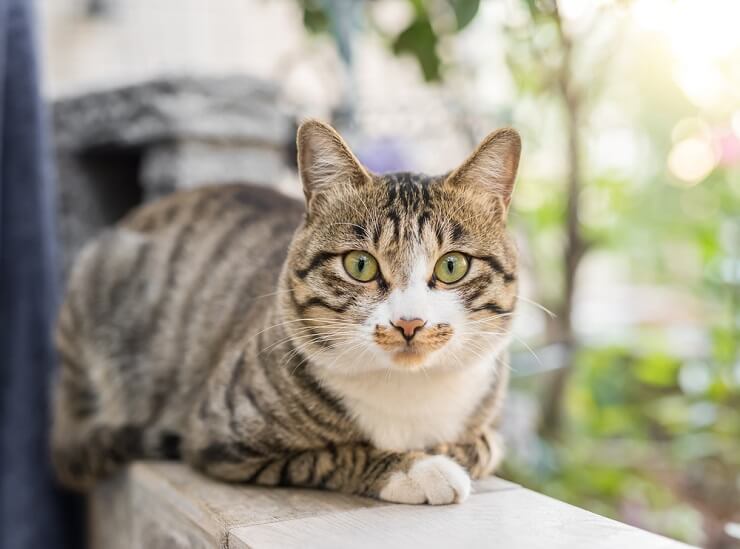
[409, 357]
[414, 352]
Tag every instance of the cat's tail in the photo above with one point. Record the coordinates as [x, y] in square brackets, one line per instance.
[87, 442]
[83, 447]
[80, 462]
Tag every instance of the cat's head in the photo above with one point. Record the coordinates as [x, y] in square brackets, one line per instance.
[401, 271]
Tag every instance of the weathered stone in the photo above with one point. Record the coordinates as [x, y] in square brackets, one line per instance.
[169, 505]
[185, 164]
[93, 191]
[236, 109]
[117, 148]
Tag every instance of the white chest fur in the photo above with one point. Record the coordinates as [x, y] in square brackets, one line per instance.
[405, 411]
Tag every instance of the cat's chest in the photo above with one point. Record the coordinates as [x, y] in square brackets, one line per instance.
[405, 412]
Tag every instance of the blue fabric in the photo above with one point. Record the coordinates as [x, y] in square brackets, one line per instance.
[34, 513]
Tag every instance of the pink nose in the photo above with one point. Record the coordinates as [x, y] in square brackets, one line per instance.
[408, 327]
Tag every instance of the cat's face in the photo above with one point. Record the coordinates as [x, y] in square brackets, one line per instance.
[401, 271]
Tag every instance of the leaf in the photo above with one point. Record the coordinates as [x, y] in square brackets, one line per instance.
[419, 40]
[657, 370]
[534, 10]
[465, 11]
[315, 19]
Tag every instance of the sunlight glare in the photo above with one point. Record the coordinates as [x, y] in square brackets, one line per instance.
[703, 40]
[691, 160]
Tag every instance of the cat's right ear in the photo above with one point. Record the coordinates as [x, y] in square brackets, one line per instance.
[325, 161]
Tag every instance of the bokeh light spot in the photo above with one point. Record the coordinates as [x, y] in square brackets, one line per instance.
[691, 160]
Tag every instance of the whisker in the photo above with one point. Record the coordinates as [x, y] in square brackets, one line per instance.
[537, 358]
[316, 337]
[286, 322]
[491, 318]
[278, 292]
[295, 352]
[538, 305]
[349, 349]
[482, 332]
[508, 365]
[313, 339]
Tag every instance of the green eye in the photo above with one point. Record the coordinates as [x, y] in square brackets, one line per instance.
[361, 266]
[451, 267]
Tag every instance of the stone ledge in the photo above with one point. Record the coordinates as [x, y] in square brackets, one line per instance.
[166, 505]
[236, 109]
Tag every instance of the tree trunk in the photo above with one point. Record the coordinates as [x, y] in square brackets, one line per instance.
[574, 246]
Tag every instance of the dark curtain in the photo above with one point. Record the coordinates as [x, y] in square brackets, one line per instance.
[34, 513]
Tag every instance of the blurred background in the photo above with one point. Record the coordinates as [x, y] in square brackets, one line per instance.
[626, 362]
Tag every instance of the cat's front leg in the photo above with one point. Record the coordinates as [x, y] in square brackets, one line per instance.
[480, 454]
[401, 477]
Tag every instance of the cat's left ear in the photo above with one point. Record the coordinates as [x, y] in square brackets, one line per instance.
[492, 166]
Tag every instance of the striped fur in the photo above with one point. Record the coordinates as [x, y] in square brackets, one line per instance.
[219, 326]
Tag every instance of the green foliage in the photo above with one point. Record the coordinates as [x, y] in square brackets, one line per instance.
[652, 432]
[315, 18]
[465, 11]
[634, 435]
[644, 420]
[420, 38]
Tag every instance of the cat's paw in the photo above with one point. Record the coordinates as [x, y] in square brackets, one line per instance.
[437, 480]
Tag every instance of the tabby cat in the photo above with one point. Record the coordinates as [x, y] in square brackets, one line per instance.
[356, 343]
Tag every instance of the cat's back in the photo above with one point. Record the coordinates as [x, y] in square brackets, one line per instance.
[209, 206]
[165, 284]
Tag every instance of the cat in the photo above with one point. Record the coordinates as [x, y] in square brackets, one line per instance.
[356, 343]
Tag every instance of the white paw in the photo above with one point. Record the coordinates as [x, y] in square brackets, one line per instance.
[435, 479]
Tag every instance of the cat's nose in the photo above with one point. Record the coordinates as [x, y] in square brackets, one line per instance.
[408, 326]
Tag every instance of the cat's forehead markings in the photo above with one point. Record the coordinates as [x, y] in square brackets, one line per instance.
[409, 203]
[408, 190]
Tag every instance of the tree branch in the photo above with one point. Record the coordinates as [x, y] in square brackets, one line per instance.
[575, 246]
